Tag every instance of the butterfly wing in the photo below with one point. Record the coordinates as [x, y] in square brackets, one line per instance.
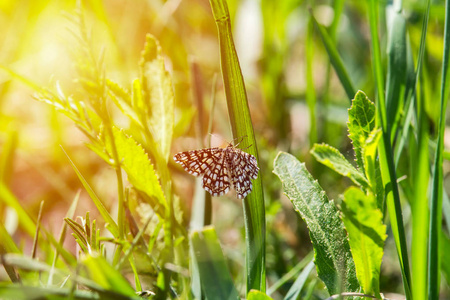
[197, 162]
[216, 179]
[249, 163]
[241, 172]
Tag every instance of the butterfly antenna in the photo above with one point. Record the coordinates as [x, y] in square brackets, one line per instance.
[241, 140]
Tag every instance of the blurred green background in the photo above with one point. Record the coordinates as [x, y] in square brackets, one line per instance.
[290, 108]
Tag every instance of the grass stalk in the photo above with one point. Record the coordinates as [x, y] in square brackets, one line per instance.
[241, 124]
[386, 155]
[437, 180]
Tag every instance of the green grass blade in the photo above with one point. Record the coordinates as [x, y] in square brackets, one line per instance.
[113, 228]
[396, 71]
[21, 292]
[8, 198]
[333, 259]
[444, 246]
[311, 98]
[386, 155]
[215, 279]
[437, 179]
[241, 124]
[101, 272]
[291, 274]
[336, 60]
[7, 242]
[7, 156]
[296, 288]
[420, 176]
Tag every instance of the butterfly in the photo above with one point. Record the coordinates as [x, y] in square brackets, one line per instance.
[221, 168]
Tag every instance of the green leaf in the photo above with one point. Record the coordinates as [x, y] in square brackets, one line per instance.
[361, 122]
[159, 95]
[257, 295]
[215, 278]
[106, 276]
[332, 158]
[366, 234]
[372, 167]
[369, 154]
[333, 259]
[122, 100]
[135, 162]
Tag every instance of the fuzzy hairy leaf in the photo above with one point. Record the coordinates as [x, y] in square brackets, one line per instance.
[361, 122]
[159, 96]
[366, 233]
[333, 259]
[135, 162]
[332, 158]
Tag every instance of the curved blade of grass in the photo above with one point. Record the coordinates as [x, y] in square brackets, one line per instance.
[412, 90]
[310, 90]
[101, 272]
[69, 214]
[420, 176]
[25, 221]
[112, 226]
[396, 72]
[19, 292]
[437, 179]
[7, 156]
[241, 124]
[333, 259]
[335, 60]
[291, 274]
[386, 155]
[6, 241]
[215, 279]
[444, 246]
[296, 288]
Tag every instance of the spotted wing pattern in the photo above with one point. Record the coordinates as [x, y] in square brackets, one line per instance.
[243, 167]
[220, 168]
[197, 162]
[216, 180]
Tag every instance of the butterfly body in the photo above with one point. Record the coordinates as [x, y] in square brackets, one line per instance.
[221, 168]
